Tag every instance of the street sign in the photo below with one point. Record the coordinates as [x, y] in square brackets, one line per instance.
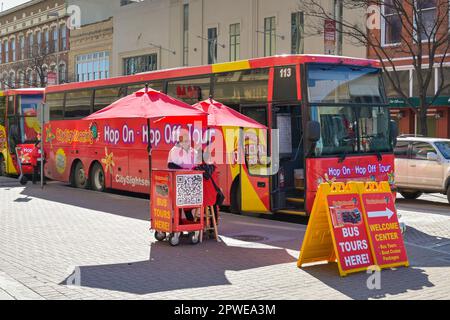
[355, 225]
[329, 32]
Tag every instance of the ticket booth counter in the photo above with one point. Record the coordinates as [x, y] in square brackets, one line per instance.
[173, 193]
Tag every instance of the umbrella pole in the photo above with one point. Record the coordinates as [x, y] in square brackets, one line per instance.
[149, 149]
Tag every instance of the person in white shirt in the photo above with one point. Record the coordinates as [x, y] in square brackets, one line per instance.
[183, 155]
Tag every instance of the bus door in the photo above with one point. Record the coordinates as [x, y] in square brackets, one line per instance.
[13, 141]
[254, 177]
[3, 135]
[288, 184]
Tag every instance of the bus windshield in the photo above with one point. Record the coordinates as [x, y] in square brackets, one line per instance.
[29, 124]
[350, 130]
[328, 83]
[348, 101]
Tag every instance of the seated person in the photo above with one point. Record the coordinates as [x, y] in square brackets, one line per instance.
[184, 156]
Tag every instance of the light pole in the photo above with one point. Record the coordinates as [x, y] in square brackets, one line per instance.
[56, 14]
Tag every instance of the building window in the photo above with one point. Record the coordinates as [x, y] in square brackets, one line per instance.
[235, 41]
[30, 45]
[62, 73]
[92, 66]
[297, 33]
[63, 37]
[12, 80]
[21, 79]
[212, 45]
[47, 41]
[39, 43]
[22, 47]
[269, 36]
[13, 50]
[55, 39]
[30, 78]
[139, 64]
[391, 28]
[185, 34]
[6, 43]
[426, 12]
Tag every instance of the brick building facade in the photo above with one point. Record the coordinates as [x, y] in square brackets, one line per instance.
[396, 39]
[34, 44]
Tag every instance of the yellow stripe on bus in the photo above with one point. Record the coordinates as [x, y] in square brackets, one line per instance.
[231, 66]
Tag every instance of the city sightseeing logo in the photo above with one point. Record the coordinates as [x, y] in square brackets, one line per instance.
[61, 161]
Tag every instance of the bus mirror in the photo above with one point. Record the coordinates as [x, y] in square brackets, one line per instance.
[313, 131]
[393, 129]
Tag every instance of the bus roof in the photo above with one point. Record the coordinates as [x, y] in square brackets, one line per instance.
[24, 91]
[180, 72]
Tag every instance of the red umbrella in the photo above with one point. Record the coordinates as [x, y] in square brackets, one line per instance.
[222, 116]
[148, 104]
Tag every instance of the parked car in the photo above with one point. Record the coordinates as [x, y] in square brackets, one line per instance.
[422, 165]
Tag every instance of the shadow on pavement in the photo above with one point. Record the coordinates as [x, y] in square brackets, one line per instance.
[172, 268]
[421, 249]
[105, 202]
[424, 206]
[393, 282]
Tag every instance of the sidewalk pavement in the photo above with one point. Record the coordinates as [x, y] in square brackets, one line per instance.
[10, 289]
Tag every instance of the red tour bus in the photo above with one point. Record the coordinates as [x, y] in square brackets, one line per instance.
[331, 114]
[19, 128]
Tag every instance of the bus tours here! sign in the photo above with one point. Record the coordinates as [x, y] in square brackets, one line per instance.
[355, 225]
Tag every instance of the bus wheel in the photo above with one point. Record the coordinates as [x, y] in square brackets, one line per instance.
[97, 178]
[2, 167]
[79, 176]
[235, 206]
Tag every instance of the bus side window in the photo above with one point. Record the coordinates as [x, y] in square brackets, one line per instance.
[13, 134]
[2, 110]
[132, 88]
[190, 91]
[55, 103]
[11, 109]
[104, 97]
[78, 104]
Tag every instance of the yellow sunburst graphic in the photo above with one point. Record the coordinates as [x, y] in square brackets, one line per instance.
[108, 161]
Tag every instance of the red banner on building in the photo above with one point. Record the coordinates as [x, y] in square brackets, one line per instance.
[329, 32]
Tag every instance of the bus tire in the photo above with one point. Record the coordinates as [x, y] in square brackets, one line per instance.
[80, 179]
[235, 205]
[97, 177]
[2, 167]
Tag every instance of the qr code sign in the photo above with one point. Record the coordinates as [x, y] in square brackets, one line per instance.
[189, 189]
